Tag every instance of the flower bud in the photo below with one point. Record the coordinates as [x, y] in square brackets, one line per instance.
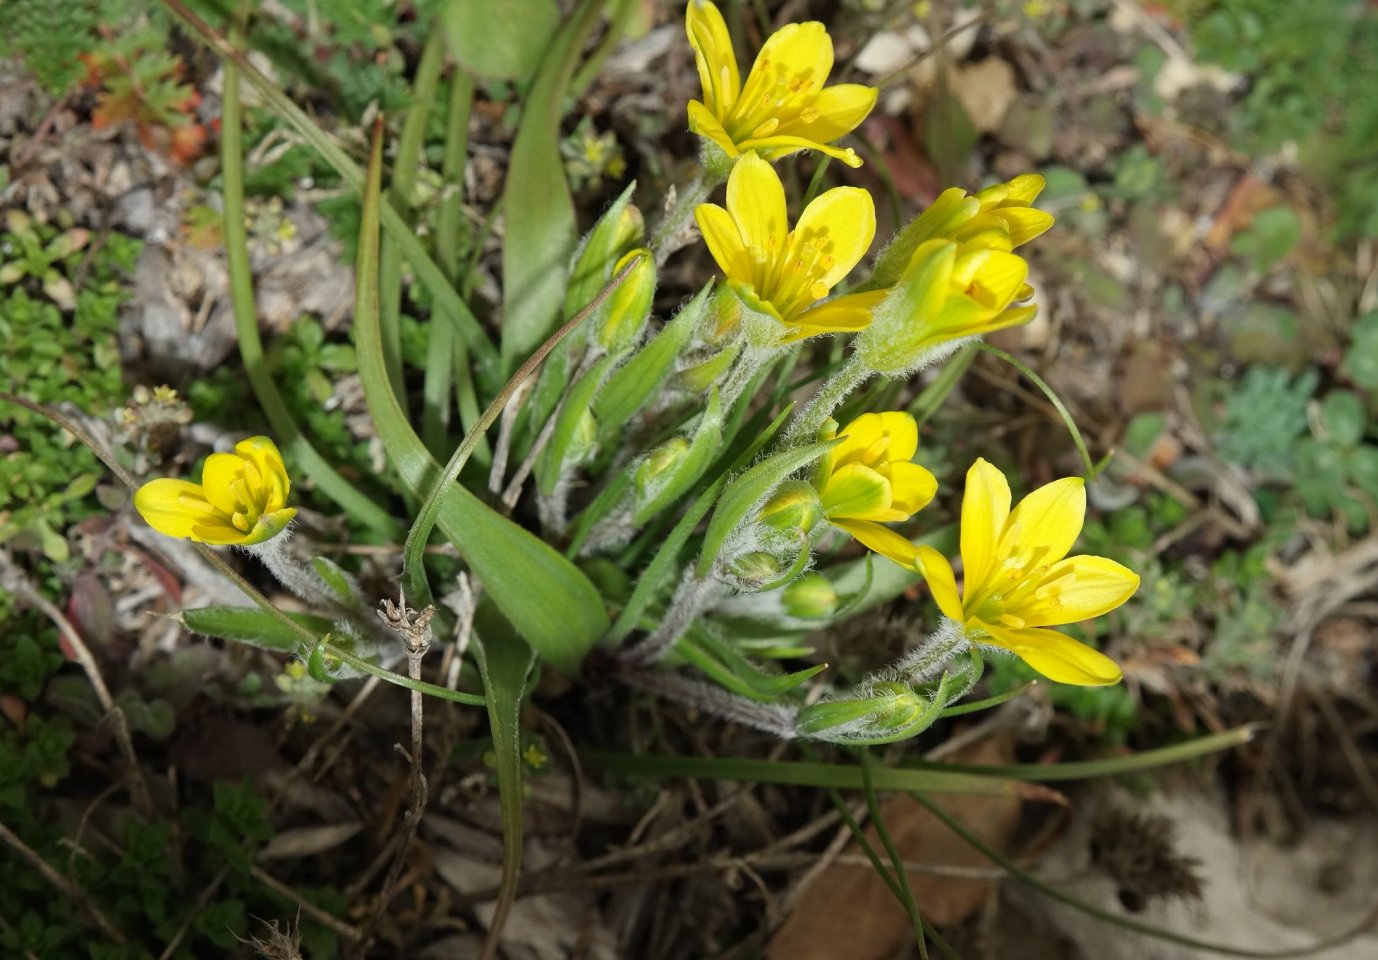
[584, 443]
[619, 229]
[811, 597]
[794, 508]
[622, 318]
[752, 571]
[660, 464]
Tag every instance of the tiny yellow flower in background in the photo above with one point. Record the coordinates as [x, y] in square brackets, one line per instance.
[961, 278]
[241, 499]
[1019, 579]
[783, 106]
[783, 272]
[868, 479]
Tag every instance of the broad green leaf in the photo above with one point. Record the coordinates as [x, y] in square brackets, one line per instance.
[747, 491]
[500, 39]
[252, 626]
[628, 390]
[552, 605]
[537, 207]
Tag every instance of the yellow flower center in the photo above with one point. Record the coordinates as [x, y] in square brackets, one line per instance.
[771, 95]
[795, 282]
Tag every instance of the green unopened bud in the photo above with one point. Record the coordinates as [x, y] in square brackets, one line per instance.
[624, 315]
[660, 464]
[584, 441]
[754, 570]
[616, 232]
[701, 376]
[793, 508]
[811, 597]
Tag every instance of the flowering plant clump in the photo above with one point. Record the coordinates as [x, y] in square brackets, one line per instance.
[677, 483]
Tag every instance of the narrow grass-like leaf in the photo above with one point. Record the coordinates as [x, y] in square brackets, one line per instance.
[658, 571]
[577, 402]
[747, 491]
[288, 434]
[901, 872]
[507, 559]
[252, 626]
[839, 775]
[540, 225]
[768, 685]
[450, 305]
[400, 194]
[505, 663]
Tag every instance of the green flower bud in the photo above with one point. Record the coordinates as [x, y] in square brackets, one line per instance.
[622, 318]
[753, 570]
[660, 464]
[793, 508]
[811, 597]
[619, 229]
[723, 316]
[584, 442]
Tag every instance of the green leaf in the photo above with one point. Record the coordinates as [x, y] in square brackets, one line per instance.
[566, 617]
[747, 492]
[628, 390]
[252, 626]
[502, 39]
[505, 663]
[537, 207]
[766, 685]
[577, 403]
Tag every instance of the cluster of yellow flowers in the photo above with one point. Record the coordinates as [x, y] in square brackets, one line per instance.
[954, 276]
[950, 275]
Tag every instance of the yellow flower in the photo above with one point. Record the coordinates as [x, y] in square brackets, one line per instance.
[1020, 580]
[868, 479]
[785, 273]
[241, 499]
[961, 279]
[783, 106]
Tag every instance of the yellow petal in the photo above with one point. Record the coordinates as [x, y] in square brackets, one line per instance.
[985, 508]
[1096, 586]
[837, 111]
[841, 223]
[263, 453]
[796, 58]
[856, 491]
[219, 533]
[713, 54]
[756, 200]
[174, 507]
[724, 241]
[220, 472]
[776, 147]
[702, 122]
[858, 438]
[911, 488]
[1024, 223]
[1057, 656]
[1000, 277]
[901, 433]
[1046, 523]
[846, 314]
[941, 581]
[1023, 189]
[882, 540]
